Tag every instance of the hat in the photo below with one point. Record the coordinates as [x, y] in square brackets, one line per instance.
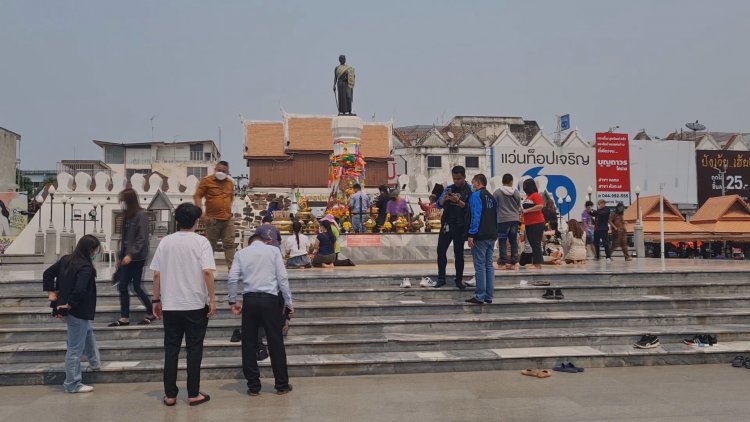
[329, 218]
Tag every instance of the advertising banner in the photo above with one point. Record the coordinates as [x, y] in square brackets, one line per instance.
[13, 207]
[613, 168]
[566, 173]
[735, 166]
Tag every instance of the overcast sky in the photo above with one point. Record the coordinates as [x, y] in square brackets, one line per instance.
[75, 71]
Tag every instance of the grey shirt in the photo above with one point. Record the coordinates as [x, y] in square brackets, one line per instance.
[508, 204]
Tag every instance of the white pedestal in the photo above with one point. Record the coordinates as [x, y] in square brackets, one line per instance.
[50, 246]
[67, 243]
[39, 243]
[639, 240]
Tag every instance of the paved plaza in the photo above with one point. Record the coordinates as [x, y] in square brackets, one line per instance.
[668, 393]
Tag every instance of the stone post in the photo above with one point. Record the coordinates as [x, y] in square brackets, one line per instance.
[50, 248]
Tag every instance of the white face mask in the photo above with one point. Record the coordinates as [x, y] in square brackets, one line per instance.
[123, 205]
[220, 175]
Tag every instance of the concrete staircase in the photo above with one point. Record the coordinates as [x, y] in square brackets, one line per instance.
[365, 324]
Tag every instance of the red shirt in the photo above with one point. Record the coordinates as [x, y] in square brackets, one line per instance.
[534, 217]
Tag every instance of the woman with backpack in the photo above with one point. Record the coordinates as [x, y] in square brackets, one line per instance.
[71, 287]
[133, 254]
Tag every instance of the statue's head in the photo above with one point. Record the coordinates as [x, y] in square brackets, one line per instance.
[342, 59]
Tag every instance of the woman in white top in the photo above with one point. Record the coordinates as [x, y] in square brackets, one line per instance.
[575, 240]
[296, 247]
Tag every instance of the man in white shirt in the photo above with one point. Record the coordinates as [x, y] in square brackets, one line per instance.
[261, 270]
[184, 297]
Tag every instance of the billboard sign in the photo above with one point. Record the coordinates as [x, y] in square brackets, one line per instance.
[728, 168]
[613, 168]
[565, 122]
[13, 207]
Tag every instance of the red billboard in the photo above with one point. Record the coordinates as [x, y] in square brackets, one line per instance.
[613, 168]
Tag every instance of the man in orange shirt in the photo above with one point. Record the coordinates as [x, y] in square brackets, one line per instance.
[218, 190]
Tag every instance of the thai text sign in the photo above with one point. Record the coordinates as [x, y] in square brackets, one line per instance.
[613, 167]
[363, 241]
[735, 166]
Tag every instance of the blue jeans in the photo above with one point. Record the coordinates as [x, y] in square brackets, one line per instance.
[508, 232]
[483, 269]
[81, 341]
[358, 222]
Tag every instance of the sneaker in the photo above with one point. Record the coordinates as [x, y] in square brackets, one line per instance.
[559, 295]
[285, 390]
[426, 282]
[405, 283]
[474, 301]
[262, 353]
[472, 282]
[690, 341]
[647, 341]
[83, 389]
[236, 336]
[548, 294]
[609, 260]
[439, 284]
[460, 285]
[712, 340]
[488, 301]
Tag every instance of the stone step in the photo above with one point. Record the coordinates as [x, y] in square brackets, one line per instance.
[54, 330]
[414, 307]
[394, 362]
[108, 295]
[152, 349]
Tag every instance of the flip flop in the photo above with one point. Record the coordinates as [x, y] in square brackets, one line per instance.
[119, 323]
[571, 366]
[530, 372]
[205, 398]
[540, 283]
[168, 404]
[544, 373]
[563, 367]
[738, 361]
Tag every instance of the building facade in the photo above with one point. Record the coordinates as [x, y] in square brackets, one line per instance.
[170, 159]
[9, 161]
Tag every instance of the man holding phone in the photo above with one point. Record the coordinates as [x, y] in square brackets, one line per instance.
[261, 269]
[454, 203]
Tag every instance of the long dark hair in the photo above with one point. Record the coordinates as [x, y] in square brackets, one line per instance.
[4, 210]
[529, 187]
[81, 255]
[130, 198]
[296, 227]
[329, 231]
[576, 229]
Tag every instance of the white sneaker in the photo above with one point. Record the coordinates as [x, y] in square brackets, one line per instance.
[84, 389]
[609, 260]
[426, 282]
[405, 283]
[472, 282]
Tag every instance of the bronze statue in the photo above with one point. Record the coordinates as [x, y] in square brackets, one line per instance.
[343, 81]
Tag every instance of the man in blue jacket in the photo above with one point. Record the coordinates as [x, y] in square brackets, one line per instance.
[482, 234]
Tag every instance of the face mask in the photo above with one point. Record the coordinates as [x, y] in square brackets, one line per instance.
[473, 189]
[123, 205]
[96, 256]
[220, 175]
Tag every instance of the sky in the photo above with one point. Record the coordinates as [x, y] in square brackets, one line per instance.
[76, 71]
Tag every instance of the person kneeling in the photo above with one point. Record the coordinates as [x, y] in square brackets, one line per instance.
[324, 251]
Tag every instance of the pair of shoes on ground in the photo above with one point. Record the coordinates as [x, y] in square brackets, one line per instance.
[148, 320]
[701, 340]
[254, 392]
[538, 373]
[741, 362]
[556, 294]
[171, 401]
[567, 366]
[647, 341]
[428, 282]
[475, 301]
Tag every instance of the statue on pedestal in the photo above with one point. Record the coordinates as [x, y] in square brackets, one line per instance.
[343, 86]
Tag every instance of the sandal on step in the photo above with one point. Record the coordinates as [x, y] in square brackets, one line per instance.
[147, 320]
[167, 403]
[530, 372]
[205, 398]
[544, 373]
[119, 323]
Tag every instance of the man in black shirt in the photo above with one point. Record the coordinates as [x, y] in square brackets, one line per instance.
[454, 203]
[601, 229]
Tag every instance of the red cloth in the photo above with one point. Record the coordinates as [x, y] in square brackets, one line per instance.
[534, 217]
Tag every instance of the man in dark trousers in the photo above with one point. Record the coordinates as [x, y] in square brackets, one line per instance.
[601, 229]
[262, 272]
[454, 203]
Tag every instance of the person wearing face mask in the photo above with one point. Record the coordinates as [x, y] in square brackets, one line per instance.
[482, 233]
[218, 191]
[70, 284]
[133, 254]
[617, 220]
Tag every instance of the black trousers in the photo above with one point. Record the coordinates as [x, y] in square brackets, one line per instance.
[454, 235]
[534, 233]
[263, 310]
[192, 325]
[602, 236]
[132, 274]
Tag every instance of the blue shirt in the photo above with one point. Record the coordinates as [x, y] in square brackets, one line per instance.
[359, 202]
[261, 269]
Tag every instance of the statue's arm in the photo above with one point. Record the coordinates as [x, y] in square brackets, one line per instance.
[334, 79]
